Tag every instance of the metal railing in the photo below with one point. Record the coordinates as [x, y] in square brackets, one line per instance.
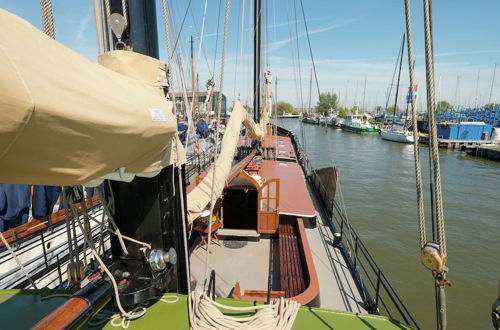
[379, 295]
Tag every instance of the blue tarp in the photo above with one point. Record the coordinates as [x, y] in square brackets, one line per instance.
[14, 205]
[44, 199]
[380, 115]
[395, 122]
[201, 126]
[181, 129]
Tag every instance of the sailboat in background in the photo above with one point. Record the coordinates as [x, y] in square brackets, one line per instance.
[397, 131]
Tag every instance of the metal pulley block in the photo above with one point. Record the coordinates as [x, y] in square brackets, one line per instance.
[431, 258]
[118, 24]
[75, 272]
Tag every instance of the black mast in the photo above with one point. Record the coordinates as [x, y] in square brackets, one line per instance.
[256, 60]
[399, 77]
[149, 209]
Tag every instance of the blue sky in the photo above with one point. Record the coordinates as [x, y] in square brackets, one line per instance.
[351, 40]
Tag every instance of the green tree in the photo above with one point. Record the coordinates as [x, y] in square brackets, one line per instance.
[343, 112]
[327, 103]
[390, 110]
[443, 106]
[491, 105]
[283, 107]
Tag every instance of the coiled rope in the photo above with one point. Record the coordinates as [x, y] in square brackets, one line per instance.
[47, 18]
[279, 314]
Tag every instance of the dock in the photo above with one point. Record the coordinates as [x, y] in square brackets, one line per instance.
[454, 144]
[489, 151]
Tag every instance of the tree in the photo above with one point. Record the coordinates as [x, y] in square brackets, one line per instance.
[327, 103]
[343, 112]
[283, 107]
[491, 105]
[443, 106]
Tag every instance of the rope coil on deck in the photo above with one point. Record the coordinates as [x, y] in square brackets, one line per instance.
[279, 314]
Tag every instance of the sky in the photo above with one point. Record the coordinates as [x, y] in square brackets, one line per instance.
[351, 41]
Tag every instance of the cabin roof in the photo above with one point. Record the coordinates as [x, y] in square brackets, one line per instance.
[283, 145]
[294, 196]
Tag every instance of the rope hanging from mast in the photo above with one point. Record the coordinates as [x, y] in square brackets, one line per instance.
[47, 18]
[433, 150]
[418, 170]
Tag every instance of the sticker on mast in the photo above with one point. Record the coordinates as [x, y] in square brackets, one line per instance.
[157, 115]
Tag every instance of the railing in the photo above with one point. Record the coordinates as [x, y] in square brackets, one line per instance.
[377, 293]
[196, 164]
[211, 285]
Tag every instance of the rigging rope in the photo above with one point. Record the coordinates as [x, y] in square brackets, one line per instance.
[433, 140]
[416, 150]
[47, 18]
[217, 125]
[87, 237]
[13, 254]
[170, 72]
[310, 48]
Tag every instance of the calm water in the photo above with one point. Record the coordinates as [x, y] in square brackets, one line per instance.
[378, 185]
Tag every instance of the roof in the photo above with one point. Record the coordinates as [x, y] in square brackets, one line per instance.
[294, 196]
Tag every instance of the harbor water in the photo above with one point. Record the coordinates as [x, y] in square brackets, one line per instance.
[377, 182]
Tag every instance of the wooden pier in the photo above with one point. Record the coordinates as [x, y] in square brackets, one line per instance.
[454, 144]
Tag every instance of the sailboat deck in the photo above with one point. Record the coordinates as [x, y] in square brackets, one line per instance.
[338, 290]
[248, 265]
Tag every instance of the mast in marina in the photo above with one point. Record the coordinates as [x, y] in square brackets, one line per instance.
[399, 77]
[492, 83]
[256, 60]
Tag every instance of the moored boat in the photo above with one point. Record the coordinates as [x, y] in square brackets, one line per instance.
[359, 124]
[396, 133]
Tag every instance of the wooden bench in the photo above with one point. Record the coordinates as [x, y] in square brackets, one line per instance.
[291, 271]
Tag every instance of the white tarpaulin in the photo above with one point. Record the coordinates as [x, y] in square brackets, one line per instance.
[199, 198]
[66, 120]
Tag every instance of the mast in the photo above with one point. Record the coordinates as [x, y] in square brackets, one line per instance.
[256, 60]
[364, 96]
[399, 77]
[492, 83]
[194, 98]
[161, 203]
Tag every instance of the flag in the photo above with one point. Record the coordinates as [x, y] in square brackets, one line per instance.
[415, 92]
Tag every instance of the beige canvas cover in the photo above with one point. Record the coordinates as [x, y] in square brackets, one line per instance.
[66, 120]
[199, 198]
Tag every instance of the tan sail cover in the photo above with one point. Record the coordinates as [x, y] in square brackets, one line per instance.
[199, 198]
[65, 120]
